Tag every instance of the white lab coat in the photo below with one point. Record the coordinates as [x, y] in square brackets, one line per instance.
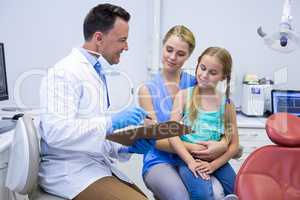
[73, 127]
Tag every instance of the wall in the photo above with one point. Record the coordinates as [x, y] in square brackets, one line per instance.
[232, 24]
[39, 33]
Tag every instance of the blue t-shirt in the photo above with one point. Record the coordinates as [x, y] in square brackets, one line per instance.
[208, 125]
[163, 104]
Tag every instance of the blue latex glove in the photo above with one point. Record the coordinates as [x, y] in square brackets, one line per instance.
[140, 146]
[132, 116]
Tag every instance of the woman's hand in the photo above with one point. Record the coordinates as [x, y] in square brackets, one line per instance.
[213, 150]
[191, 147]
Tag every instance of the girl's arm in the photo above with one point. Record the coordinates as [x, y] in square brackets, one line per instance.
[176, 142]
[176, 115]
[234, 143]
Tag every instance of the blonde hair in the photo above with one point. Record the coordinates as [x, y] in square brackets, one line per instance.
[184, 33]
[225, 59]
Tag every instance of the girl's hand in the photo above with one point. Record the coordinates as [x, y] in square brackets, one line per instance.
[193, 165]
[205, 167]
[204, 176]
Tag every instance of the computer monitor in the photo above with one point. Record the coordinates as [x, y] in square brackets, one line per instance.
[286, 101]
[3, 78]
[5, 125]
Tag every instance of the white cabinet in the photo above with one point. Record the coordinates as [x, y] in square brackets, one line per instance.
[252, 135]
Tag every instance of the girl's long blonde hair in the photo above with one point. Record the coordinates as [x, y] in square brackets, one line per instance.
[225, 59]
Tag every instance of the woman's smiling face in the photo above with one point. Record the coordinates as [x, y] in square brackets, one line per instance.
[175, 53]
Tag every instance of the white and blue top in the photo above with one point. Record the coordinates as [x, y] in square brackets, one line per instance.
[208, 125]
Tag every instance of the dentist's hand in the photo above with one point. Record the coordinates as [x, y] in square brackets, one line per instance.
[140, 146]
[132, 116]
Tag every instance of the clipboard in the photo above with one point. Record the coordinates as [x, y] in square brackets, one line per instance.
[156, 131]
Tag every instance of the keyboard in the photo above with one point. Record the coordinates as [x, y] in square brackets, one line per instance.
[7, 125]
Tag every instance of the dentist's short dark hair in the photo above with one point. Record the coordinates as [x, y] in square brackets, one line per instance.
[102, 18]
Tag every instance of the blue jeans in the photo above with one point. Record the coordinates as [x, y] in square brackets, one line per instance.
[200, 189]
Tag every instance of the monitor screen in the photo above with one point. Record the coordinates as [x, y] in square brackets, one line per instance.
[286, 101]
[3, 80]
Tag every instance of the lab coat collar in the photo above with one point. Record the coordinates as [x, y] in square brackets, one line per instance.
[82, 59]
[93, 59]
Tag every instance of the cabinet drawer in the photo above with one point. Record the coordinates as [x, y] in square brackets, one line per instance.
[252, 134]
[254, 143]
[251, 139]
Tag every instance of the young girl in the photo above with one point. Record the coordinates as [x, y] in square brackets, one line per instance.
[210, 115]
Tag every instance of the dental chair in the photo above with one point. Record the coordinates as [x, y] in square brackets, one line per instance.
[273, 171]
[24, 159]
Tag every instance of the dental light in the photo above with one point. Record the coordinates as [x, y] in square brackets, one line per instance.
[286, 40]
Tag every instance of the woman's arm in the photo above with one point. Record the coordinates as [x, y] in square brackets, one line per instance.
[164, 145]
[234, 143]
[145, 101]
[206, 150]
[212, 149]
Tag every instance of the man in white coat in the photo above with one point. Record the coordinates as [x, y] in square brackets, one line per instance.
[76, 158]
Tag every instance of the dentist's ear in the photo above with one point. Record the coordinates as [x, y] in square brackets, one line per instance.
[98, 36]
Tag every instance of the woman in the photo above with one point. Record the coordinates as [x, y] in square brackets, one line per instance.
[156, 97]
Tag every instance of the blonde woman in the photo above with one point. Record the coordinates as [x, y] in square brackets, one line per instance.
[160, 172]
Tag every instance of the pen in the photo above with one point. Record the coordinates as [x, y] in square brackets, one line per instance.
[148, 117]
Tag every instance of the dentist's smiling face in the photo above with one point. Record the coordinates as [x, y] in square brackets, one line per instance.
[114, 42]
[175, 53]
[209, 72]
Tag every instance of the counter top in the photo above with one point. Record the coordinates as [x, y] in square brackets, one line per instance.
[250, 122]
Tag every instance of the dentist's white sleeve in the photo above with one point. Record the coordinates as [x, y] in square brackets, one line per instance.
[113, 150]
[61, 95]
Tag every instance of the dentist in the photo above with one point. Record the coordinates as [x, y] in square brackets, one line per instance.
[76, 159]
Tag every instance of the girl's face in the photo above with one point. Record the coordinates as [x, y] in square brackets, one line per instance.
[209, 72]
[175, 53]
